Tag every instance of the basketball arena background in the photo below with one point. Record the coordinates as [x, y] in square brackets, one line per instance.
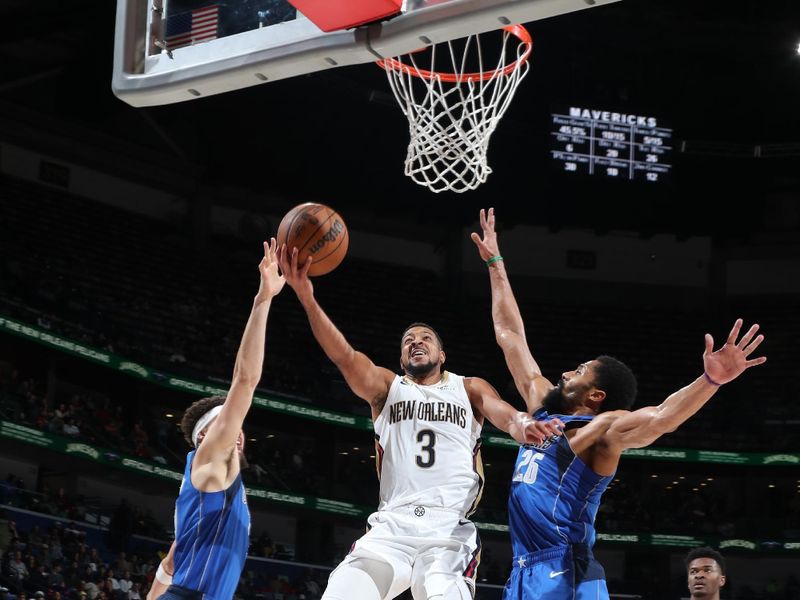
[129, 240]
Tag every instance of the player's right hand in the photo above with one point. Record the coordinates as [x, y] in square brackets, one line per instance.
[296, 275]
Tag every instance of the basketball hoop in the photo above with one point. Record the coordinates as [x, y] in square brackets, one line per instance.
[452, 115]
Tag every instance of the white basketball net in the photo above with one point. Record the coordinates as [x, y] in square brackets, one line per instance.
[452, 114]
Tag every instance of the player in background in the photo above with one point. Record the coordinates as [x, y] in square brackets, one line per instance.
[556, 486]
[427, 427]
[212, 522]
[705, 571]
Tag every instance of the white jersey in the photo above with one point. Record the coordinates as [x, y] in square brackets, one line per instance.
[428, 446]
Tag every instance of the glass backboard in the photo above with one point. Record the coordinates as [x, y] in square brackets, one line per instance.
[170, 51]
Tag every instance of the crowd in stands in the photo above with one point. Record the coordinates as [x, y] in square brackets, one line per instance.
[305, 464]
[144, 290]
[59, 561]
[140, 289]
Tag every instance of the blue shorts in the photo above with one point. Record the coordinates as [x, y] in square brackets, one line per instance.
[176, 592]
[560, 573]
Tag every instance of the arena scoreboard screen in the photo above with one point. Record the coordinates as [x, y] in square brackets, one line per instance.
[612, 145]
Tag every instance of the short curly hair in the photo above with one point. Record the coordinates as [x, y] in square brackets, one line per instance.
[617, 380]
[194, 412]
[705, 552]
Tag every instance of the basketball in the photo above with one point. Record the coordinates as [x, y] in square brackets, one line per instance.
[316, 230]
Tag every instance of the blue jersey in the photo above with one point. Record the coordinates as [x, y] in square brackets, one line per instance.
[554, 496]
[212, 531]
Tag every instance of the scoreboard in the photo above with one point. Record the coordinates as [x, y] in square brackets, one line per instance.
[610, 144]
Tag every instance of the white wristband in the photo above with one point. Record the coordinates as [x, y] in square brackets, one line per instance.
[162, 576]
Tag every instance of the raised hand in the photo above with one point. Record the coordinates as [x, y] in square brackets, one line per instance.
[296, 275]
[537, 432]
[730, 361]
[271, 281]
[487, 246]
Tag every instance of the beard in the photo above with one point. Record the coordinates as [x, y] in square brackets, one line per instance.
[554, 401]
[419, 369]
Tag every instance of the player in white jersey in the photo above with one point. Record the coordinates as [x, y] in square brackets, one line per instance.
[427, 427]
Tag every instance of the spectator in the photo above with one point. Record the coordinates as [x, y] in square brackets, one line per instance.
[134, 592]
[125, 583]
[122, 563]
[55, 579]
[91, 589]
[17, 571]
[71, 428]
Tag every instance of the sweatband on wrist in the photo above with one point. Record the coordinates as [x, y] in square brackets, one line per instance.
[493, 259]
[162, 576]
[711, 381]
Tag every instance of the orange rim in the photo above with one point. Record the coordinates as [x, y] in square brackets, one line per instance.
[518, 31]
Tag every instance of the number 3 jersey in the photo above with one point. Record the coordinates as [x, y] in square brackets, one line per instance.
[554, 496]
[428, 446]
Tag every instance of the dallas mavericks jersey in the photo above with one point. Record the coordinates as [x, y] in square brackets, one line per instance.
[212, 532]
[554, 496]
[428, 446]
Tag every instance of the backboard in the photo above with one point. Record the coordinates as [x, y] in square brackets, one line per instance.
[170, 51]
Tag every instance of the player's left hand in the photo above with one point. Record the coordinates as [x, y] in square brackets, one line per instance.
[730, 361]
[487, 246]
[272, 281]
[537, 432]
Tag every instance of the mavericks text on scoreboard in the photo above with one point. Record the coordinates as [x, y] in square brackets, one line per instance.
[611, 144]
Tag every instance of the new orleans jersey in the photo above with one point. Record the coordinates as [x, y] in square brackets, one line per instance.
[428, 444]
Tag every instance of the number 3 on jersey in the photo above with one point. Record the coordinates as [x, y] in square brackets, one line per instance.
[429, 438]
[528, 467]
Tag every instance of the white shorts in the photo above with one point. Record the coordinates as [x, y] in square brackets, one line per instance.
[427, 548]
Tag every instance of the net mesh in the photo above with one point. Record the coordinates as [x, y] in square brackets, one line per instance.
[452, 113]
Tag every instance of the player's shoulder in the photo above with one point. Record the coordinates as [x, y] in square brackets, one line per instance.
[607, 418]
[472, 382]
[601, 425]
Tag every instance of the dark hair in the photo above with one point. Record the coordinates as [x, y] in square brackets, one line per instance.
[194, 412]
[617, 380]
[426, 326]
[705, 552]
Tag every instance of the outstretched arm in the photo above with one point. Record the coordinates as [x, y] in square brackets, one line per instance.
[367, 380]
[487, 402]
[224, 430]
[642, 427]
[509, 330]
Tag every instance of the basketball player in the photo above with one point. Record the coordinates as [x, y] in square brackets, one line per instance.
[212, 523]
[427, 426]
[556, 486]
[705, 568]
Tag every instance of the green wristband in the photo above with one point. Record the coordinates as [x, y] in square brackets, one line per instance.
[494, 259]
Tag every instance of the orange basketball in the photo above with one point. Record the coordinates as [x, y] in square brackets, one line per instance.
[316, 230]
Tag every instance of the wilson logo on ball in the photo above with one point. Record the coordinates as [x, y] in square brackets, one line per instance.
[333, 233]
[318, 231]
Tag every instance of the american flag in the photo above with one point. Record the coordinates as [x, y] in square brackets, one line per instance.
[198, 25]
